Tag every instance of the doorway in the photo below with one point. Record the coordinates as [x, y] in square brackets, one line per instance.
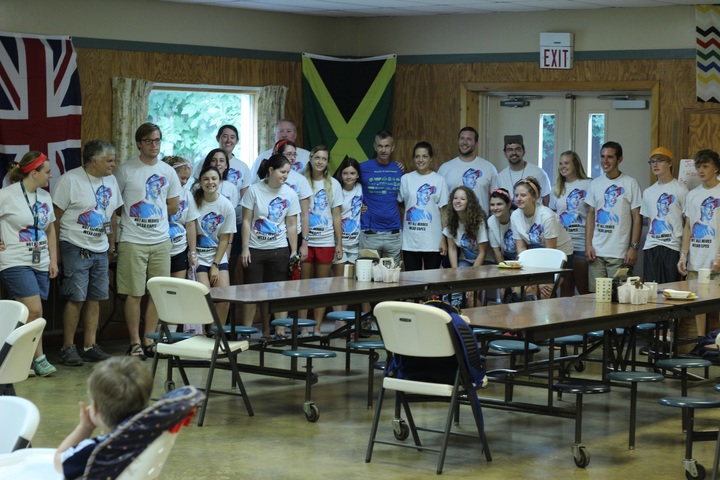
[553, 122]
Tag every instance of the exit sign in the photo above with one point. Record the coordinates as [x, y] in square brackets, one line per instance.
[556, 57]
[556, 50]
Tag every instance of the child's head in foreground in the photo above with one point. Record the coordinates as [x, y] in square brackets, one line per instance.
[119, 387]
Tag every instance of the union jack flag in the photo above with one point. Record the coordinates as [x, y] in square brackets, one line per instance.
[40, 106]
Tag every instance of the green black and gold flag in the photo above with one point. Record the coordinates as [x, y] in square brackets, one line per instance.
[346, 101]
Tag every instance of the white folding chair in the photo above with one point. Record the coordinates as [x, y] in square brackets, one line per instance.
[12, 315]
[19, 418]
[544, 258]
[16, 354]
[422, 332]
[180, 301]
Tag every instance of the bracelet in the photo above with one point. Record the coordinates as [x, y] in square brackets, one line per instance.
[215, 264]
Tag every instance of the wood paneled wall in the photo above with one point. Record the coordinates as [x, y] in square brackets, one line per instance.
[98, 67]
[428, 98]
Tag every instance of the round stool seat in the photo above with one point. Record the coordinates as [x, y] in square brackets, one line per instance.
[569, 340]
[238, 329]
[682, 363]
[601, 333]
[690, 402]
[645, 327]
[717, 387]
[578, 387]
[635, 376]
[309, 353]
[485, 331]
[176, 336]
[341, 315]
[366, 345]
[288, 322]
[512, 346]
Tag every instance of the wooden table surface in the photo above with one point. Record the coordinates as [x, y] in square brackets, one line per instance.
[557, 317]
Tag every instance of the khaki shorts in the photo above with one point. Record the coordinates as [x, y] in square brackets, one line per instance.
[137, 263]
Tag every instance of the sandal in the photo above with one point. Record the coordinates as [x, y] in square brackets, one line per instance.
[150, 349]
[136, 350]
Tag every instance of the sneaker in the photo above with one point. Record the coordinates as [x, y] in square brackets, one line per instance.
[42, 367]
[31, 373]
[94, 354]
[279, 336]
[69, 356]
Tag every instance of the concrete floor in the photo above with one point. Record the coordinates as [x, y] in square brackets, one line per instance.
[279, 443]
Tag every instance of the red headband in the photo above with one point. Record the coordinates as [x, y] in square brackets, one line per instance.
[34, 164]
[502, 193]
[279, 145]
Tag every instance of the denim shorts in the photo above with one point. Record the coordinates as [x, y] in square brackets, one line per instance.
[83, 278]
[22, 282]
[205, 269]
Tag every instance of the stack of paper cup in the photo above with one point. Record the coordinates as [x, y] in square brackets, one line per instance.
[603, 290]
[363, 270]
[704, 275]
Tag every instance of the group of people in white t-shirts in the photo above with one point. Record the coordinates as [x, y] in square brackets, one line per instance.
[241, 225]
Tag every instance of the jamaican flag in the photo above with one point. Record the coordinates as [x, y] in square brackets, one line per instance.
[346, 102]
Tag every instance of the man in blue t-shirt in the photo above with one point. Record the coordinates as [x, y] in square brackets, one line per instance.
[380, 224]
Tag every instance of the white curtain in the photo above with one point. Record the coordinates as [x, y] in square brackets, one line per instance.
[271, 109]
[130, 110]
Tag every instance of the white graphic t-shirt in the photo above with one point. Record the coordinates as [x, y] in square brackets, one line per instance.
[536, 230]
[572, 210]
[214, 219]
[145, 190]
[270, 207]
[424, 196]
[238, 175]
[301, 187]
[501, 236]
[700, 211]
[322, 232]
[663, 206]
[467, 246]
[18, 229]
[88, 203]
[613, 201]
[351, 208]
[479, 175]
[187, 212]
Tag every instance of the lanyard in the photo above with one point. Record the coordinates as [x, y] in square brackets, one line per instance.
[32, 211]
[95, 193]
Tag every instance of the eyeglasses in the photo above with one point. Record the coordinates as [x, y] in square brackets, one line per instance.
[516, 149]
[151, 141]
[656, 160]
[293, 155]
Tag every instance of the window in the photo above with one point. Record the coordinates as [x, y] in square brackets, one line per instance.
[547, 144]
[596, 138]
[190, 115]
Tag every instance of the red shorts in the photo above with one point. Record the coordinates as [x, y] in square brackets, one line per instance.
[320, 255]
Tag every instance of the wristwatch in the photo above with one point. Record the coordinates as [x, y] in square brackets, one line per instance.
[306, 238]
[635, 245]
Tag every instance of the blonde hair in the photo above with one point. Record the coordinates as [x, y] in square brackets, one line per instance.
[120, 387]
[559, 187]
[327, 183]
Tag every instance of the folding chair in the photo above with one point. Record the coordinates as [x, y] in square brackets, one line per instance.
[12, 315]
[424, 333]
[181, 301]
[19, 418]
[16, 354]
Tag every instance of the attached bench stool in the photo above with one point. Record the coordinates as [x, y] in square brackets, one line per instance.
[634, 378]
[682, 364]
[239, 332]
[312, 413]
[688, 404]
[288, 323]
[579, 388]
[373, 357]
